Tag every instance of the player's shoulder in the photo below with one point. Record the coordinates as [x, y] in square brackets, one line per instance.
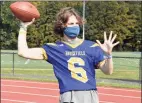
[56, 45]
[90, 43]
[50, 44]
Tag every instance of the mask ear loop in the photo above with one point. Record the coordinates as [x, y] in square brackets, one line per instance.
[83, 36]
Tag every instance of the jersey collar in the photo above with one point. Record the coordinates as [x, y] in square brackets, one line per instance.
[74, 45]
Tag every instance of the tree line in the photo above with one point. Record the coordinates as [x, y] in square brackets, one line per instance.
[122, 17]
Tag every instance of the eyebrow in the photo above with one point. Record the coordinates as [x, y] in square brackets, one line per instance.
[73, 23]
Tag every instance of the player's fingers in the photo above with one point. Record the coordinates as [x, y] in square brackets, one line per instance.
[113, 38]
[29, 23]
[105, 38]
[116, 43]
[33, 19]
[98, 42]
[110, 36]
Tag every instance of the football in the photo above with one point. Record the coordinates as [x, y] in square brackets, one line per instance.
[25, 11]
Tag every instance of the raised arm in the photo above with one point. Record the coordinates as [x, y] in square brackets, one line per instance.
[107, 65]
[23, 50]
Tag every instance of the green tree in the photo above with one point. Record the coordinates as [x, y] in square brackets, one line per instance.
[8, 27]
[124, 18]
[107, 16]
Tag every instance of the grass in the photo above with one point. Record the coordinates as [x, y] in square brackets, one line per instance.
[47, 75]
[120, 74]
[102, 84]
[124, 54]
[118, 85]
[127, 54]
[39, 70]
[28, 71]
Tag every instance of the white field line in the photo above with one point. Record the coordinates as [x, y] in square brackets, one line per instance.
[114, 95]
[120, 89]
[33, 87]
[29, 87]
[35, 102]
[10, 100]
[27, 69]
[57, 96]
[29, 94]
[58, 90]
[106, 102]
[52, 69]
[32, 82]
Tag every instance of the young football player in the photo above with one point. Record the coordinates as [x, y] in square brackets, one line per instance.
[74, 60]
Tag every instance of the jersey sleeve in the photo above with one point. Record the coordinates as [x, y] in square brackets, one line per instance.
[101, 58]
[47, 53]
[98, 56]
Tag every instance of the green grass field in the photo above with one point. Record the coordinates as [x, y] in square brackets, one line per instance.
[39, 70]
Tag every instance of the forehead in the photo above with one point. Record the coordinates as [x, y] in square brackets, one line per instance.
[71, 19]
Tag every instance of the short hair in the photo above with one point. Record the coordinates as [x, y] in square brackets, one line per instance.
[62, 18]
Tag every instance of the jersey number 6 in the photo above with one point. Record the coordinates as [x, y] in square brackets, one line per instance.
[77, 70]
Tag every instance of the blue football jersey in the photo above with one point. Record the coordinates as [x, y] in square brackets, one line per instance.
[74, 65]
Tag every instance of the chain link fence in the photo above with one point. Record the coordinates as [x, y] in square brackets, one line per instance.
[126, 69]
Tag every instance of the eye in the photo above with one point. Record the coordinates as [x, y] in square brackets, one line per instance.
[71, 23]
[77, 23]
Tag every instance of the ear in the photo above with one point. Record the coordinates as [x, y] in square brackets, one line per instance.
[63, 26]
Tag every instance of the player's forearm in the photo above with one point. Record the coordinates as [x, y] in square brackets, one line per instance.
[107, 67]
[22, 43]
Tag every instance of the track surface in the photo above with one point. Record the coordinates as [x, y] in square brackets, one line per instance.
[16, 91]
